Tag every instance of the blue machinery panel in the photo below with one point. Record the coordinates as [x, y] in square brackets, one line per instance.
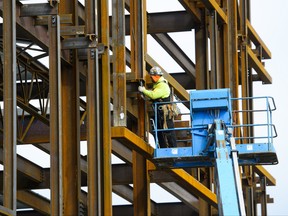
[212, 141]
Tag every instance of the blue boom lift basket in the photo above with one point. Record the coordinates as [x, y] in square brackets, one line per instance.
[207, 106]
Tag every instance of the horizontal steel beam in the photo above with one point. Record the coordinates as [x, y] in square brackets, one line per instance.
[257, 65]
[261, 171]
[255, 38]
[33, 10]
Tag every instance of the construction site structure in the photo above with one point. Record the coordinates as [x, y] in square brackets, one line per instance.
[70, 80]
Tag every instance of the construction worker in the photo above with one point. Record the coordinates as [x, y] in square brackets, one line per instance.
[161, 93]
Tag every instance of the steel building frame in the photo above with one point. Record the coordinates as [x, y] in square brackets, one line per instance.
[86, 74]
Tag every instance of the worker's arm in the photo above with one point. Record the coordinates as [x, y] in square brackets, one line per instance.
[162, 90]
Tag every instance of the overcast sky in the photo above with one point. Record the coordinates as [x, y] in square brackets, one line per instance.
[270, 21]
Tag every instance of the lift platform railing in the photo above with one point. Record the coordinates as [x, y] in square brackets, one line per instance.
[157, 106]
[256, 148]
[263, 130]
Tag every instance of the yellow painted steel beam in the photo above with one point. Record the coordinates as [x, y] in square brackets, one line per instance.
[213, 5]
[258, 67]
[119, 64]
[134, 142]
[6, 211]
[195, 186]
[261, 171]
[255, 38]
[192, 8]
[106, 118]
[34, 200]
[70, 88]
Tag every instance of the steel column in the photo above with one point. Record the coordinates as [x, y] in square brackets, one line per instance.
[233, 48]
[201, 49]
[141, 198]
[56, 177]
[106, 143]
[138, 68]
[263, 195]
[244, 64]
[95, 198]
[119, 63]
[71, 122]
[214, 83]
[10, 119]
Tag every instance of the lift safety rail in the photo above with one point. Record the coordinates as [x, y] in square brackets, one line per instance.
[214, 144]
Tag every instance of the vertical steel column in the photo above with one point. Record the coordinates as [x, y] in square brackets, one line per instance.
[138, 49]
[232, 56]
[140, 186]
[244, 63]
[106, 112]
[201, 49]
[71, 122]
[263, 195]
[245, 87]
[137, 14]
[55, 116]
[119, 63]
[214, 50]
[98, 107]
[232, 46]
[10, 108]
[138, 41]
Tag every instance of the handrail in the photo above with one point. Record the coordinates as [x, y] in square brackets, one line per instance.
[269, 108]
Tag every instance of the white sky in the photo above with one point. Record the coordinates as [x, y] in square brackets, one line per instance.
[270, 21]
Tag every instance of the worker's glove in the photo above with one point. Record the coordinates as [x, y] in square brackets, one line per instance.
[141, 88]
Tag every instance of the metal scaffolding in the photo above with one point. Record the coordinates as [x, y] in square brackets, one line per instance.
[57, 105]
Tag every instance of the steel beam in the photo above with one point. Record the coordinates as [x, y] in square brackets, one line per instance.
[119, 63]
[201, 54]
[10, 118]
[106, 143]
[261, 171]
[213, 5]
[176, 53]
[70, 122]
[95, 195]
[34, 200]
[56, 177]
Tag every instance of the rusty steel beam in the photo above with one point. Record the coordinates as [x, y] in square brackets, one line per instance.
[119, 63]
[191, 7]
[213, 5]
[201, 54]
[194, 186]
[176, 53]
[9, 94]
[35, 201]
[182, 194]
[71, 184]
[255, 38]
[55, 116]
[261, 171]
[105, 108]
[132, 141]
[257, 65]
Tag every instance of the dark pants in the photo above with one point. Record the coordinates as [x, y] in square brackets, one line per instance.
[167, 139]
